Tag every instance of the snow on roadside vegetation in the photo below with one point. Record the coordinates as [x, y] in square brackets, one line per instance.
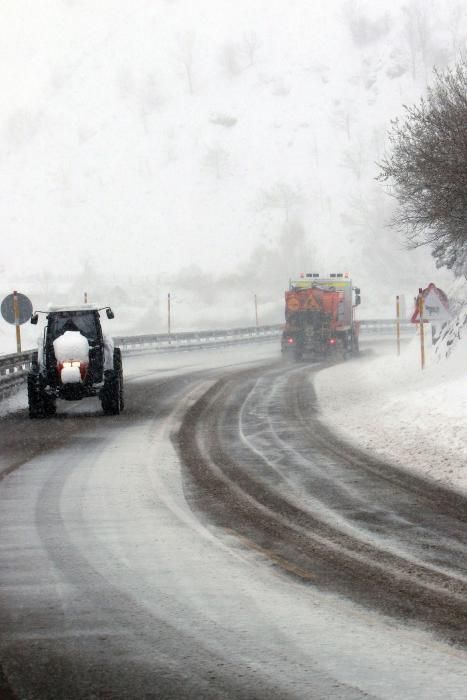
[386, 404]
[17, 401]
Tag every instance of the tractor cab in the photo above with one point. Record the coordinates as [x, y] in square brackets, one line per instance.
[86, 321]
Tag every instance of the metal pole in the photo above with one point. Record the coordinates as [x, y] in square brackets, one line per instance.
[256, 311]
[168, 316]
[18, 327]
[422, 330]
[398, 325]
[85, 297]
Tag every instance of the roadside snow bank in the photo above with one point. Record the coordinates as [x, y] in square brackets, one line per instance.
[16, 402]
[386, 404]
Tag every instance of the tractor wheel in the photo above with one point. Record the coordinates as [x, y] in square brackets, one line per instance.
[112, 391]
[40, 405]
[50, 406]
[119, 369]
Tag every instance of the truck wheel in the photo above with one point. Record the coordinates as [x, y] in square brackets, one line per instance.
[288, 355]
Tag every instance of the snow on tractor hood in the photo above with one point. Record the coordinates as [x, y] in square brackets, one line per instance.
[72, 345]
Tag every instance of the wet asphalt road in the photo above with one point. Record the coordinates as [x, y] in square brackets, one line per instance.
[262, 463]
[216, 541]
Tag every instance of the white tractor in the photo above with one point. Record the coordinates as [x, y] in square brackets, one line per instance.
[75, 360]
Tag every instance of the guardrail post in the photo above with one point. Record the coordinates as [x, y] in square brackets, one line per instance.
[398, 325]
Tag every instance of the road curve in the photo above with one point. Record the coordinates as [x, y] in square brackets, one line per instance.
[198, 546]
[262, 464]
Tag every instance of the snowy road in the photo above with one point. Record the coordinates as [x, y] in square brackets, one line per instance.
[208, 543]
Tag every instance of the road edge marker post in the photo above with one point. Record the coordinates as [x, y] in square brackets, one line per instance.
[17, 325]
[422, 330]
[169, 330]
[398, 325]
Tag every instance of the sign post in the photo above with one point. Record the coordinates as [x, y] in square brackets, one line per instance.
[16, 309]
[398, 325]
[16, 314]
[168, 316]
[431, 306]
[422, 330]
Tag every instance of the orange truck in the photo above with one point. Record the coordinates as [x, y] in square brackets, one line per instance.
[320, 317]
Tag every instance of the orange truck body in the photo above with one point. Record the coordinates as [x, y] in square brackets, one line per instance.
[319, 315]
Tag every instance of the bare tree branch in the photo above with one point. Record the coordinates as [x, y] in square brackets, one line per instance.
[426, 170]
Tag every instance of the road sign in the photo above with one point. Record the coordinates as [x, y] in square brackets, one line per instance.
[435, 306]
[24, 308]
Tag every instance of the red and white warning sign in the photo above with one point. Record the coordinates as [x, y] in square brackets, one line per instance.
[435, 306]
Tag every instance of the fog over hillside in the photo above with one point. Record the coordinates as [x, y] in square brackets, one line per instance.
[211, 149]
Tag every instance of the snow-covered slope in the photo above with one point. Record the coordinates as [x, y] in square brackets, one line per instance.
[211, 149]
[389, 406]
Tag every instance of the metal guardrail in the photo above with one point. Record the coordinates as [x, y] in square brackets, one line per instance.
[14, 368]
[385, 325]
[195, 340]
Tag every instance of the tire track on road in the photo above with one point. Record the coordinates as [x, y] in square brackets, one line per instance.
[241, 490]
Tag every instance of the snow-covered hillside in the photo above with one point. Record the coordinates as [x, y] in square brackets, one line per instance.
[211, 149]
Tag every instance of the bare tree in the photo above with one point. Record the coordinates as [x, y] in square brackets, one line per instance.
[456, 27]
[186, 57]
[417, 28]
[249, 48]
[363, 29]
[426, 169]
[342, 120]
[230, 59]
[352, 159]
[355, 157]
[281, 196]
[238, 57]
[216, 159]
[150, 99]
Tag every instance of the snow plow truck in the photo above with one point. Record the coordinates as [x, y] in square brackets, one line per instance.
[320, 318]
